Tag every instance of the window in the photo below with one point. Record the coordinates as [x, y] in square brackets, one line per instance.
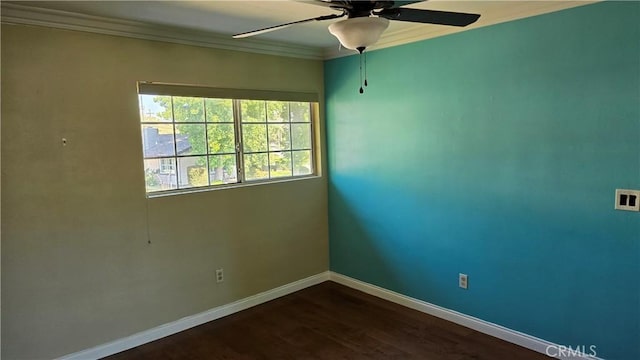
[199, 141]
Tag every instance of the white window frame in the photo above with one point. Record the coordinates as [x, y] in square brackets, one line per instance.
[236, 95]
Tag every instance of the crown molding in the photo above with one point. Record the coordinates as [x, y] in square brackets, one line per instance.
[29, 15]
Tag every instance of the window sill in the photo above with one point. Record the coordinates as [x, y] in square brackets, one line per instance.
[229, 186]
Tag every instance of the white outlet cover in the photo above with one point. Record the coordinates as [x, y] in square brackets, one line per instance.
[625, 195]
[463, 281]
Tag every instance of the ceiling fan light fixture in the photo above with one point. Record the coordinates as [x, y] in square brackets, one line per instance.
[360, 32]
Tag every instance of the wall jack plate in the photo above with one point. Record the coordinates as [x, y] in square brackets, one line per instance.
[463, 281]
[628, 200]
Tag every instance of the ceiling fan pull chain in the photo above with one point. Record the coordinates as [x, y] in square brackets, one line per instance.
[360, 58]
[360, 51]
[365, 69]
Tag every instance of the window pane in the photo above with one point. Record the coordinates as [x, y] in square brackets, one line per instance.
[256, 166]
[252, 110]
[159, 178]
[192, 171]
[219, 110]
[300, 111]
[223, 169]
[222, 138]
[188, 109]
[301, 136]
[155, 108]
[280, 164]
[277, 111]
[302, 162]
[254, 138]
[190, 139]
[158, 140]
[279, 137]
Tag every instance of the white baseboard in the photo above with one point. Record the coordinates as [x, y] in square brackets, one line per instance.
[500, 332]
[171, 328]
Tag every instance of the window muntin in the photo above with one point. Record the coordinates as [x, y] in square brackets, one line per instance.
[196, 142]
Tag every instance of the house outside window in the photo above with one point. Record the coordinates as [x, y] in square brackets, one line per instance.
[167, 166]
[200, 141]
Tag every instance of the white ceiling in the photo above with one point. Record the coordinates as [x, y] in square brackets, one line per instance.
[234, 16]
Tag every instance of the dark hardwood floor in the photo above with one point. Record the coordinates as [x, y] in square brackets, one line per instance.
[329, 321]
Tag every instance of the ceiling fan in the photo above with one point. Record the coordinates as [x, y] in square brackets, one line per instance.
[368, 19]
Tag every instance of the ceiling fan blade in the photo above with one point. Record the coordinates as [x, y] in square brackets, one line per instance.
[350, 4]
[282, 26]
[429, 16]
[335, 4]
[397, 4]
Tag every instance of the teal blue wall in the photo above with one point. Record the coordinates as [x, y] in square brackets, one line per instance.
[496, 153]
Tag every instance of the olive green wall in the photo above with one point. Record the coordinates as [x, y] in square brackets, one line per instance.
[77, 270]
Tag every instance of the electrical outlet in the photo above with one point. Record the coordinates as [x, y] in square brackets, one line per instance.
[628, 200]
[219, 275]
[463, 281]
